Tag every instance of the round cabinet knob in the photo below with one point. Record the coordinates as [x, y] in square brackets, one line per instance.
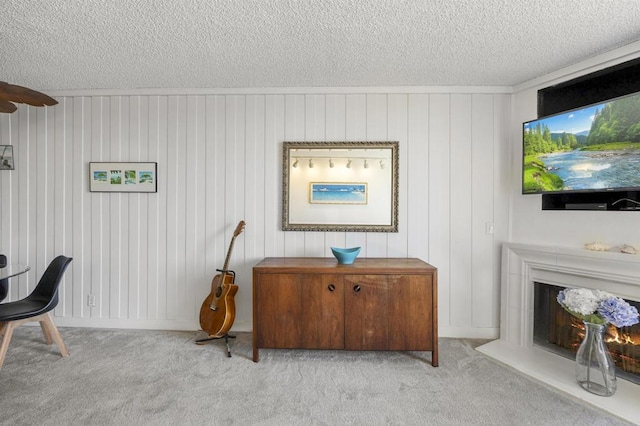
[356, 288]
[331, 287]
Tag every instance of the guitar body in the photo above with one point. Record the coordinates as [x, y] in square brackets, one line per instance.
[218, 322]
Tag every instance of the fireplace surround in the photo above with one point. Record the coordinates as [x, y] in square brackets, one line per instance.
[522, 266]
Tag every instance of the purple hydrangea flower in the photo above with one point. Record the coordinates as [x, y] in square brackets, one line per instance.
[618, 312]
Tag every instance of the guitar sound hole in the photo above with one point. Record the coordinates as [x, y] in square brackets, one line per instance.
[218, 292]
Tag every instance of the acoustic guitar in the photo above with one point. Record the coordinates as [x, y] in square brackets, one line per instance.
[218, 310]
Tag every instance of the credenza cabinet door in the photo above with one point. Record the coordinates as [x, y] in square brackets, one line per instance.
[410, 313]
[388, 312]
[366, 312]
[303, 311]
[279, 311]
[322, 314]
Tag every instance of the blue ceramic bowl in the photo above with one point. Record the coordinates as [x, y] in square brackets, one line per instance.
[345, 256]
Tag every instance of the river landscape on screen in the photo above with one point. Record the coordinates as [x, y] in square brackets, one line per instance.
[591, 148]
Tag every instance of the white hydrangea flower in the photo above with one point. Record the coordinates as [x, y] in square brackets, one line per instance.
[603, 295]
[582, 300]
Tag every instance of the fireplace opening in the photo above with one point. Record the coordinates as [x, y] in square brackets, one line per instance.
[556, 330]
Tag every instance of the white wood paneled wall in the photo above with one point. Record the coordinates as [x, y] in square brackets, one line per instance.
[149, 258]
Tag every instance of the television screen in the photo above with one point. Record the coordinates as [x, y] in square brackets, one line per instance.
[594, 148]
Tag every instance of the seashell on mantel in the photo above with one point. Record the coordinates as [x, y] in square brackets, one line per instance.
[628, 249]
[597, 246]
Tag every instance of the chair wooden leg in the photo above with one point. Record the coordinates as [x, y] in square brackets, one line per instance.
[49, 329]
[7, 333]
[54, 333]
[46, 332]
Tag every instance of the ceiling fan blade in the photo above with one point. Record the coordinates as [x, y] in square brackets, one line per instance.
[6, 106]
[13, 93]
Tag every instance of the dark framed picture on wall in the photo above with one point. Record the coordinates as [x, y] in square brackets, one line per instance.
[123, 177]
[6, 157]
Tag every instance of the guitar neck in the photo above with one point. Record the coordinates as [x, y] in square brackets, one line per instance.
[225, 268]
[237, 232]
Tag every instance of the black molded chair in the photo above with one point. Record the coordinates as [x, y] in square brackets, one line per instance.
[36, 307]
[4, 284]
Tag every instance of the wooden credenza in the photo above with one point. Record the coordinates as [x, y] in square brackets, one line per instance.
[374, 304]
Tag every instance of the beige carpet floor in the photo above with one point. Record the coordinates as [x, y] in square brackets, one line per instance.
[132, 377]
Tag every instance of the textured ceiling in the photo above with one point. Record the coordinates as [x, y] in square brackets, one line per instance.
[104, 44]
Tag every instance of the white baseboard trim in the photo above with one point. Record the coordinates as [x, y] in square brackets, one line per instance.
[469, 332]
[182, 325]
[240, 326]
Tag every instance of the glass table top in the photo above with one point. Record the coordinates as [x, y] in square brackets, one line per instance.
[12, 269]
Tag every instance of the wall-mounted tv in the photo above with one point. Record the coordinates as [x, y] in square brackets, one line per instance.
[593, 148]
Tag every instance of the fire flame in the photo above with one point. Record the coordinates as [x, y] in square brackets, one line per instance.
[615, 337]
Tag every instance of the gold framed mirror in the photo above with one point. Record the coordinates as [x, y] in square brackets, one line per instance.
[340, 186]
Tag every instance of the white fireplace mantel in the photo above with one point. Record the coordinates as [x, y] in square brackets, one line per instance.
[522, 266]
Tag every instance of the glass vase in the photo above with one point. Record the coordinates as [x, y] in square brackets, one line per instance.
[595, 370]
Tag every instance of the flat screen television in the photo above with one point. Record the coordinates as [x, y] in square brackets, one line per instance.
[588, 149]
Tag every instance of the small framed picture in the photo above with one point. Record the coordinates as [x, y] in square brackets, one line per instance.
[123, 177]
[337, 192]
[6, 157]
